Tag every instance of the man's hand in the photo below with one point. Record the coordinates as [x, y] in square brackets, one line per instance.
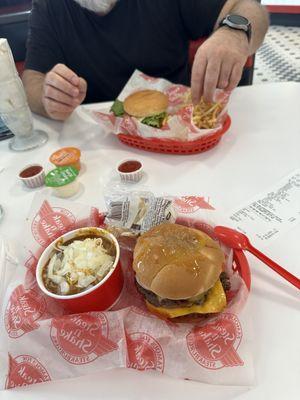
[219, 63]
[62, 92]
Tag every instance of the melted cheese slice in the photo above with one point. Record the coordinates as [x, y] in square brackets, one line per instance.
[215, 302]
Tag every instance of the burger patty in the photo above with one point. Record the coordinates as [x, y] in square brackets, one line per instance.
[168, 303]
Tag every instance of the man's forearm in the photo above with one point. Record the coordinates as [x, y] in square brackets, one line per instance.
[33, 82]
[255, 13]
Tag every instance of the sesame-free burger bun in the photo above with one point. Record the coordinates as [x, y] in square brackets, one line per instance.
[146, 103]
[177, 262]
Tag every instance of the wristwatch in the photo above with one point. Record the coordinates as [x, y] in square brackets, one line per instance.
[239, 23]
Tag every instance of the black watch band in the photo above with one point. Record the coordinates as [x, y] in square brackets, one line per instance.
[239, 23]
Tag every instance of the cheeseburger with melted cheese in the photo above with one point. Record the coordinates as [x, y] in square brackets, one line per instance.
[177, 270]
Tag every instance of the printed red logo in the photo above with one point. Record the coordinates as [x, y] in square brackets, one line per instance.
[191, 204]
[108, 119]
[185, 115]
[25, 370]
[82, 338]
[23, 309]
[50, 223]
[144, 352]
[94, 219]
[176, 94]
[148, 78]
[30, 265]
[215, 344]
[128, 125]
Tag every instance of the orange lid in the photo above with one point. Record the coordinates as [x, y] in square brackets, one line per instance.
[65, 156]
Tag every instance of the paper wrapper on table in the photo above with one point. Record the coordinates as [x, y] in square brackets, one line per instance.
[179, 126]
[8, 70]
[41, 342]
[19, 121]
[12, 95]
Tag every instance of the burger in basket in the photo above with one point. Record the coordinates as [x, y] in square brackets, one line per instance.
[150, 107]
[179, 271]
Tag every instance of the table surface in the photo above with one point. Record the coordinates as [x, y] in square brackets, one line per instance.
[261, 147]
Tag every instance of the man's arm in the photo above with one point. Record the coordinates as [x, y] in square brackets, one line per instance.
[220, 60]
[55, 94]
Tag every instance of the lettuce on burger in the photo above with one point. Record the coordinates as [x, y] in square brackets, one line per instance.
[148, 106]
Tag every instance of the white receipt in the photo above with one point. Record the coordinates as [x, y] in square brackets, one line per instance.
[271, 213]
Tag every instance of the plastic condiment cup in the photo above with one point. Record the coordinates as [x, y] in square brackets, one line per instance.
[63, 181]
[100, 297]
[32, 175]
[130, 170]
[66, 157]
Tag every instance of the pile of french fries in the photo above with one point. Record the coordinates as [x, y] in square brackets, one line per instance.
[205, 115]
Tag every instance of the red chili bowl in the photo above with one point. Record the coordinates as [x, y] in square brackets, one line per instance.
[100, 297]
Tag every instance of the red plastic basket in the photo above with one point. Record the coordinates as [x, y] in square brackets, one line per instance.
[175, 146]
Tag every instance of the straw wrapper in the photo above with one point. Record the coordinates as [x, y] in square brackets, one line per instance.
[179, 125]
[41, 342]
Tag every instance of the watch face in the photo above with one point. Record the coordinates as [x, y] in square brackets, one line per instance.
[237, 19]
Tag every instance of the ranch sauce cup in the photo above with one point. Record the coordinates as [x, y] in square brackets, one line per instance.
[63, 181]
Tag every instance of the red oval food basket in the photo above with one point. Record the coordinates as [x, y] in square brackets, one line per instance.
[176, 146]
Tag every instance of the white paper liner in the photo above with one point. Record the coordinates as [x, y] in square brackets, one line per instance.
[179, 126]
[40, 342]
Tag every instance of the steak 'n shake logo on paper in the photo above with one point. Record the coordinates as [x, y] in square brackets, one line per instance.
[107, 119]
[24, 308]
[25, 370]
[128, 125]
[186, 117]
[30, 265]
[148, 78]
[176, 94]
[50, 223]
[191, 204]
[144, 352]
[215, 344]
[82, 338]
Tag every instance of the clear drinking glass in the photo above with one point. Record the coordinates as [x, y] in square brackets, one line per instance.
[19, 121]
[16, 115]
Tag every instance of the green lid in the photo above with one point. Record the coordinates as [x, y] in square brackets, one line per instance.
[61, 176]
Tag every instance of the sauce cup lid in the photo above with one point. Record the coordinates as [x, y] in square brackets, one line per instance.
[61, 176]
[65, 156]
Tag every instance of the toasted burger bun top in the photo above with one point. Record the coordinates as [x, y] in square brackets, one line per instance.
[176, 262]
[146, 103]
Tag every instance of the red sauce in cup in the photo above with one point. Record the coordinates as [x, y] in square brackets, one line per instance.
[31, 171]
[129, 166]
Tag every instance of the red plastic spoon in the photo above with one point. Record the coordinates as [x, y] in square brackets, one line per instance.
[238, 240]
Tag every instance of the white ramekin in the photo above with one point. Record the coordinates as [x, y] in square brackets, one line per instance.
[36, 180]
[132, 177]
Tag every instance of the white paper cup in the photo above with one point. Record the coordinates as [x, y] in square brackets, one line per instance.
[133, 174]
[12, 95]
[35, 180]
[8, 70]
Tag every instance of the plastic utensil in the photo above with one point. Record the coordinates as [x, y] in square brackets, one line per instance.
[237, 240]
